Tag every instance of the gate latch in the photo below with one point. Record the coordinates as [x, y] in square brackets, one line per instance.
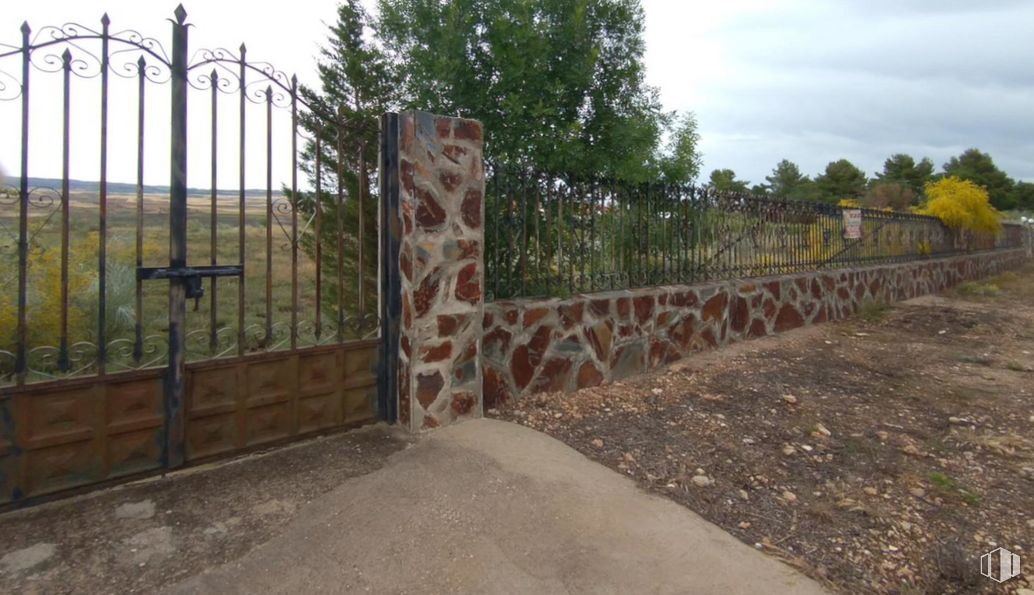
[191, 276]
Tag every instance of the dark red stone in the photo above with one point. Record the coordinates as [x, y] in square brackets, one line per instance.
[746, 288]
[740, 315]
[624, 308]
[429, 214]
[404, 342]
[553, 376]
[487, 321]
[820, 316]
[664, 318]
[715, 307]
[709, 338]
[757, 329]
[520, 367]
[454, 152]
[600, 307]
[497, 342]
[588, 376]
[449, 325]
[427, 388]
[450, 181]
[773, 288]
[468, 286]
[644, 306]
[682, 332]
[494, 389]
[406, 174]
[425, 294]
[802, 284]
[511, 316]
[463, 402]
[468, 248]
[687, 298]
[843, 294]
[436, 354]
[467, 130]
[533, 316]
[407, 312]
[789, 318]
[538, 344]
[443, 126]
[816, 289]
[470, 209]
[768, 309]
[571, 314]
[828, 282]
[600, 338]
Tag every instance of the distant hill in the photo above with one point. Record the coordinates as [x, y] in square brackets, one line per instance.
[123, 188]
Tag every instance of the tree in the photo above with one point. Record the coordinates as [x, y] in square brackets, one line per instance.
[889, 195]
[963, 206]
[559, 84]
[786, 180]
[724, 180]
[903, 169]
[842, 179]
[680, 162]
[980, 169]
[356, 87]
[1023, 196]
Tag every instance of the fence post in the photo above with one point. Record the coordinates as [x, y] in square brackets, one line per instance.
[436, 188]
[175, 375]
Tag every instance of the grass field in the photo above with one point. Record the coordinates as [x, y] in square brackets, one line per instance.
[44, 291]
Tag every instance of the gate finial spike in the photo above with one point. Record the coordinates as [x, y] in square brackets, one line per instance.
[66, 55]
[25, 28]
[105, 20]
[181, 14]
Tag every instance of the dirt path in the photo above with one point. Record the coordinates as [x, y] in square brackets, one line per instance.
[882, 454]
[138, 537]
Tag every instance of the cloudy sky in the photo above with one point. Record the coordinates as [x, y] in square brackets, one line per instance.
[808, 80]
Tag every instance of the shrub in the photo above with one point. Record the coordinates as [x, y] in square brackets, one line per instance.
[962, 206]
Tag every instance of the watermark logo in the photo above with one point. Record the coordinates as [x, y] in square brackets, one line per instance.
[1000, 565]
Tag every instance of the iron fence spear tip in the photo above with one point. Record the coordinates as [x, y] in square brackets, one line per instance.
[105, 20]
[26, 29]
[181, 14]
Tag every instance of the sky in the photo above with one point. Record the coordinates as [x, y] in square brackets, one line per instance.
[807, 80]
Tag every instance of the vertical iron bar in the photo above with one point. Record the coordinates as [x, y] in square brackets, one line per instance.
[173, 455]
[361, 219]
[241, 255]
[319, 232]
[538, 234]
[524, 233]
[496, 217]
[21, 363]
[294, 212]
[102, 253]
[550, 253]
[138, 326]
[269, 217]
[339, 216]
[390, 277]
[591, 252]
[66, 63]
[213, 319]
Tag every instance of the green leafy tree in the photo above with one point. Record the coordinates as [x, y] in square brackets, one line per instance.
[559, 84]
[842, 179]
[903, 169]
[979, 168]
[356, 87]
[1023, 196]
[724, 180]
[788, 182]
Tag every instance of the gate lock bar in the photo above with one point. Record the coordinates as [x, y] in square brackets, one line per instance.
[190, 275]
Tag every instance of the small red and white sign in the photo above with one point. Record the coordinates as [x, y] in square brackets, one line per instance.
[852, 224]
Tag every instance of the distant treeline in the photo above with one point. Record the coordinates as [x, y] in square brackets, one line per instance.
[123, 188]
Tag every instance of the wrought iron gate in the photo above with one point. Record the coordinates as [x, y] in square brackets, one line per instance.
[104, 372]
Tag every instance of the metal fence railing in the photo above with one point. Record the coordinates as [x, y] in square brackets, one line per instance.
[550, 236]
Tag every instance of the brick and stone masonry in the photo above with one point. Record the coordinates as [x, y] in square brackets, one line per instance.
[441, 204]
[532, 346]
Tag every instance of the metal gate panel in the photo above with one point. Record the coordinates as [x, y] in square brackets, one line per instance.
[237, 404]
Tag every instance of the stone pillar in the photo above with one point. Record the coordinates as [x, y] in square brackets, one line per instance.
[441, 208]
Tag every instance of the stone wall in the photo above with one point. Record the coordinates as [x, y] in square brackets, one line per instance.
[532, 346]
[441, 208]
